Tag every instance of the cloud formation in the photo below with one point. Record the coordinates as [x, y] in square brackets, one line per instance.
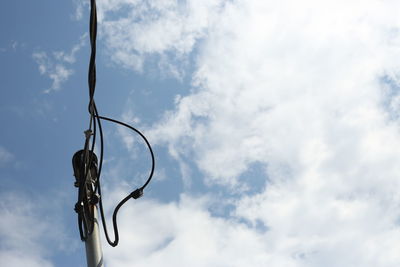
[309, 90]
[186, 233]
[56, 65]
[265, 85]
[5, 156]
[169, 29]
[79, 8]
[20, 233]
[183, 234]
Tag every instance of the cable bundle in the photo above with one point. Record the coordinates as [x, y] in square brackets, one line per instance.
[87, 168]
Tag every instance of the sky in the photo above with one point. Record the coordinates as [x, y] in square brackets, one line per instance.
[275, 125]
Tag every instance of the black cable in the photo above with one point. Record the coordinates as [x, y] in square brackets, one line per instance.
[85, 213]
[96, 113]
[92, 64]
[84, 160]
[87, 162]
[135, 194]
[92, 73]
[92, 70]
[146, 141]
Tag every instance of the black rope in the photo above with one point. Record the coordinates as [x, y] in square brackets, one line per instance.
[86, 163]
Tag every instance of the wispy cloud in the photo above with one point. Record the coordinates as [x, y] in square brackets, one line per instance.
[127, 135]
[79, 9]
[32, 229]
[147, 28]
[257, 85]
[5, 156]
[56, 72]
[13, 46]
[57, 65]
[183, 234]
[296, 87]
[21, 231]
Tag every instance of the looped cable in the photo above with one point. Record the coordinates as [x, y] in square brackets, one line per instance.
[87, 169]
[135, 194]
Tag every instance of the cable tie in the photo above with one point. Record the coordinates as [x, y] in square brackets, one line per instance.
[137, 193]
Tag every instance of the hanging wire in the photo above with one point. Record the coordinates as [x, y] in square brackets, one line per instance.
[86, 165]
[135, 194]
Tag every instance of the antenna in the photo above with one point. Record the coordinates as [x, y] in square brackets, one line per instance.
[87, 169]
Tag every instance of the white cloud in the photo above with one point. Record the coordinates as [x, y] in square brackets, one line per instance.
[20, 259]
[55, 66]
[21, 233]
[79, 8]
[71, 56]
[182, 234]
[5, 156]
[13, 46]
[160, 174]
[56, 72]
[167, 28]
[33, 230]
[127, 135]
[266, 80]
[296, 87]
[349, 233]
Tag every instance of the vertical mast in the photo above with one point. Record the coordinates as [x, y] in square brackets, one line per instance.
[94, 254]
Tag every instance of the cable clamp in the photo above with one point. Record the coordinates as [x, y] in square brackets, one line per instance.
[78, 207]
[137, 193]
[88, 133]
[94, 199]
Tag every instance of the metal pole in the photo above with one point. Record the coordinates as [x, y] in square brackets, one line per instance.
[94, 254]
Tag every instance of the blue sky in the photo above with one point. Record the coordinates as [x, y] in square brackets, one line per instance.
[275, 126]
